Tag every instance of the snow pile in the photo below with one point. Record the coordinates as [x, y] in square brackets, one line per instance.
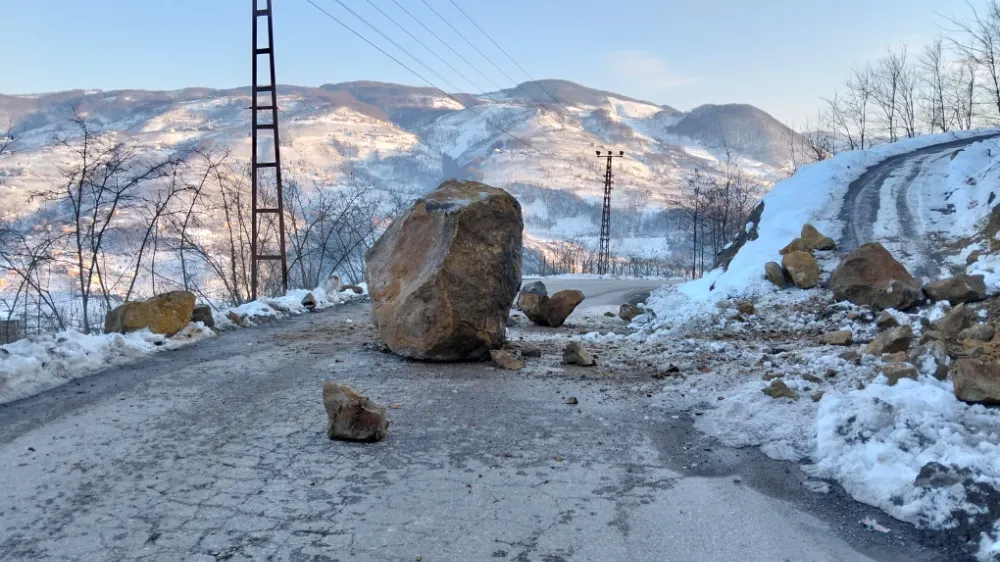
[815, 194]
[875, 442]
[39, 363]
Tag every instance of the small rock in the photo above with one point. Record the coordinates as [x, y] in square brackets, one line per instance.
[309, 301]
[627, 312]
[840, 337]
[891, 341]
[512, 322]
[850, 355]
[797, 245]
[937, 475]
[816, 396]
[609, 314]
[534, 288]
[830, 374]
[812, 378]
[973, 257]
[203, 313]
[976, 382]
[958, 289]
[351, 415]
[572, 400]
[505, 360]
[978, 332]
[533, 352]
[954, 322]
[931, 336]
[932, 351]
[575, 354]
[236, 319]
[778, 389]
[896, 370]
[899, 356]
[774, 274]
[816, 241]
[886, 321]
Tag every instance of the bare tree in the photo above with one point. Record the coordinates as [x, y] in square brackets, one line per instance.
[934, 71]
[102, 184]
[979, 43]
[886, 82]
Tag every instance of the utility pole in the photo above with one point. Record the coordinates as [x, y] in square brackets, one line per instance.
[604, 254]
[262, 207]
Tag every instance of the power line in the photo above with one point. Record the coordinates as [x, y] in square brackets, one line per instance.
[431, 51]
[497, 45]
[414, 72]
[446, 44]
[453, 28]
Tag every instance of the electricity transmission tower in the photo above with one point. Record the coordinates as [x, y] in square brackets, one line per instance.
[267, 204]
[604, 254]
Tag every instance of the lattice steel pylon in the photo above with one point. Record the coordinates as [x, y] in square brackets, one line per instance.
[275, 207]
[604, 253]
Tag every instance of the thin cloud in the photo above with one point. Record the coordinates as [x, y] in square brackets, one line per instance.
[646, 69]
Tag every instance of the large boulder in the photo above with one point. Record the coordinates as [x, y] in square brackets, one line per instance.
[351, 416]
[164, 314]
[443, 276]
[976, 382]
[870, 276]
[816, 241]
[958, 289]
[802, 268]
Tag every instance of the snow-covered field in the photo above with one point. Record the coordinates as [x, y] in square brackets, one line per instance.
[39, 363]
[847, 424]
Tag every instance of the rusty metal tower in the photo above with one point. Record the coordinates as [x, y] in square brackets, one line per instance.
[266, 205]
[604, 253]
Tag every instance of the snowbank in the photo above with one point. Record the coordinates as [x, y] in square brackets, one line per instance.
[815, 194]
[39, 363]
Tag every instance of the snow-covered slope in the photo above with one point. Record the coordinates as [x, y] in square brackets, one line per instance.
[408, 139]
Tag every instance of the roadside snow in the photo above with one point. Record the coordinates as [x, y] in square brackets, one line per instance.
[815, 194]
[39, 363]
[847, 424]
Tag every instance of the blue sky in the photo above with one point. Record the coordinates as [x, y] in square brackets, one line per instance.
[780, 55]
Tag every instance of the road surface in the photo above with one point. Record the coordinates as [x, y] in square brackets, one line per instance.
[218, 451]
[865, 196]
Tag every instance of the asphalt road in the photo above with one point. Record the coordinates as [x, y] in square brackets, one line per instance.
[218, 451]
[863, 200]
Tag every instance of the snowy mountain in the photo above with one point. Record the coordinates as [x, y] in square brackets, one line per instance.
[408, 139]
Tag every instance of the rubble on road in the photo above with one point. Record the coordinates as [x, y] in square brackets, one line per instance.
[352, 416]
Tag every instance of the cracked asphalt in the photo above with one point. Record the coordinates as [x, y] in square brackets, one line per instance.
[218, 451]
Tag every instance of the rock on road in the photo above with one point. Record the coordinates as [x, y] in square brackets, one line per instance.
[218, 451]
